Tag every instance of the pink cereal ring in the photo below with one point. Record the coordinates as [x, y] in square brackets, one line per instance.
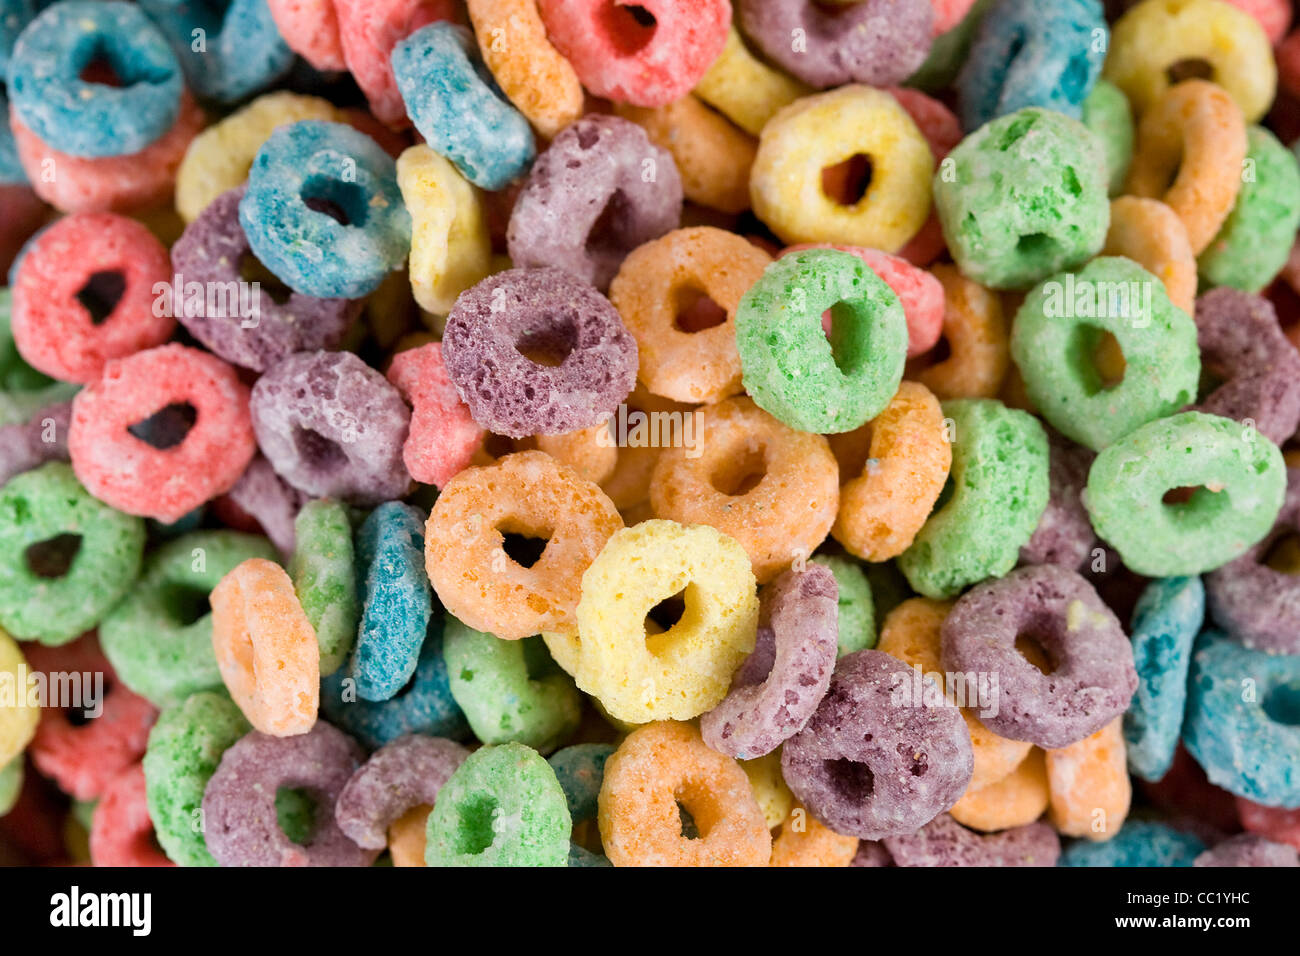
[1276, 823]
[949, 13]
[942, 130]
[121, 833]
[126, 184]
[443, 436]
[1273, 15]
[920, 293]
[647, 54]
[133, 475]
[311, 29]
[52, 327]
[80, 752]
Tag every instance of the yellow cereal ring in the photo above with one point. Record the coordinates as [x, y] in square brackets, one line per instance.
[1151, 234]
[1018, 798]
[770, 790]
[17, 720]
[686, 670]
[822, 131]
[1089, 785]
[450, 247]
[218, 159]
[803, 841]
[976, 333]
[744, 88]
[1158, 37]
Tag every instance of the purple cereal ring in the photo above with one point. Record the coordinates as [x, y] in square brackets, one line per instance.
[403, 774]
[870, 765]
[596, 193]
[876, 42]
[1256, 605]
[247, 326]
[1249, 849]
[270, 500]
[1064, 534]
[945, 842]
[333, 427]
[764, 709]
[1094, 677]
[1242, 343]
[23, 445]
[872, 853]
[240, 824]
[550, 314]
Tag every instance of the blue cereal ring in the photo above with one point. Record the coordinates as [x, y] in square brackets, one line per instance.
[1243, 720]
[396, 600]
[11, 168]
[1168, 616]
[427, 707]
[311, 251]
[580, 769]
[242, 51]
[456, 106]
[14, 17]
[1137, 844]
[90, 119]
[1029, 53]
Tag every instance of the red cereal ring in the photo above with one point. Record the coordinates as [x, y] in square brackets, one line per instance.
[168, 482]
[368, 31]
[69, 274]
[1276, 823]
[121, 832]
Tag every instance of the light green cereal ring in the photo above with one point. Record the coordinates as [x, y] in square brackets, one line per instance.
[857, 613]
[323, 569]
[11, 782]
[1107, 114]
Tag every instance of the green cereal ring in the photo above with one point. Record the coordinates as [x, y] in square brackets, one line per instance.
[888, 587]
[48, 505]
[996, 492]
[790, 368]
[502, 807]
[1056, 335]
[159, 639]
[184, 749]
[324, 575]
[1107, 114]
[1238, 475]
[857, 613]
[510, 690]
[1255, 239]
[11, 782]
[1023, 197]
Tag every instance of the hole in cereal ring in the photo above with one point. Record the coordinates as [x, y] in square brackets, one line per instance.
[667, 612]
[185, 604]
[1179, 496]
[1033, 650]
[321, 454]
[690, 831]
[611, 226]
[295, 812]
[845, 338]
[850, 780]
[737, 475]
[1283, 555]
[343, 202]
[101, 294]
[167, 427]
[99, 70]
[848, 182]
[251, 270]
[1101, 361]
[1282, 704]
[53, 557]
[1191, 68]
[629, 25]
[475, 833]
[551, 345]
[524, 548]
[1036, 247]
[696, 311]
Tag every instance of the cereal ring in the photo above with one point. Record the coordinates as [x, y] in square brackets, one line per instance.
[1089, 785]
[406, 836]
[1248, 849]
[856, 614]
[529, 494]
[818, 133]
[999, 491]
[549, 313]
[1092, 677]
[1273, 822]
[802, 841]
[1023, 197]
[1155, 38]
[122, 833]
[647, 54]
[945, 842]
[1064, 534]
[791, 369]
[266, 498]
[159, 637]
[773, 522]
[580, 771]
[503, 782]
[875, 42]
[660, 768]
[870, 767]
[1152, 235]
[323, 569]
[888, 499]
[443, 435]
[744, 88]
[1190, 148]
[1109, 117]
[185, 747]
[977, 335]
[65, 558]
[600, 189]
[766, 709]
[368, 32]
[17, 721]
[84, 294]
[1141, 843]
[1018, 799]
[311, 29]
[1239, 490]
[265, 647]
[949, 49]
[457, 110]
[239, 802]
[773, 796]
[332, 426]
[628, 485]
[406, 773]
[189, 465]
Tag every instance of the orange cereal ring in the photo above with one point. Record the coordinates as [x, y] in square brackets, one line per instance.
[657, 285]
[530, 71]
[659, 766]
[628, 486]
[266, 648]
[785, 513]
[527, 493]
[803, 841]
[900, 460]
[406, 836]
[1089, 785]
[977, 335]
[1151, 234]
[1197, 131]
[713, 156]
[1017, 799]
[911, 634]
[588, 452]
